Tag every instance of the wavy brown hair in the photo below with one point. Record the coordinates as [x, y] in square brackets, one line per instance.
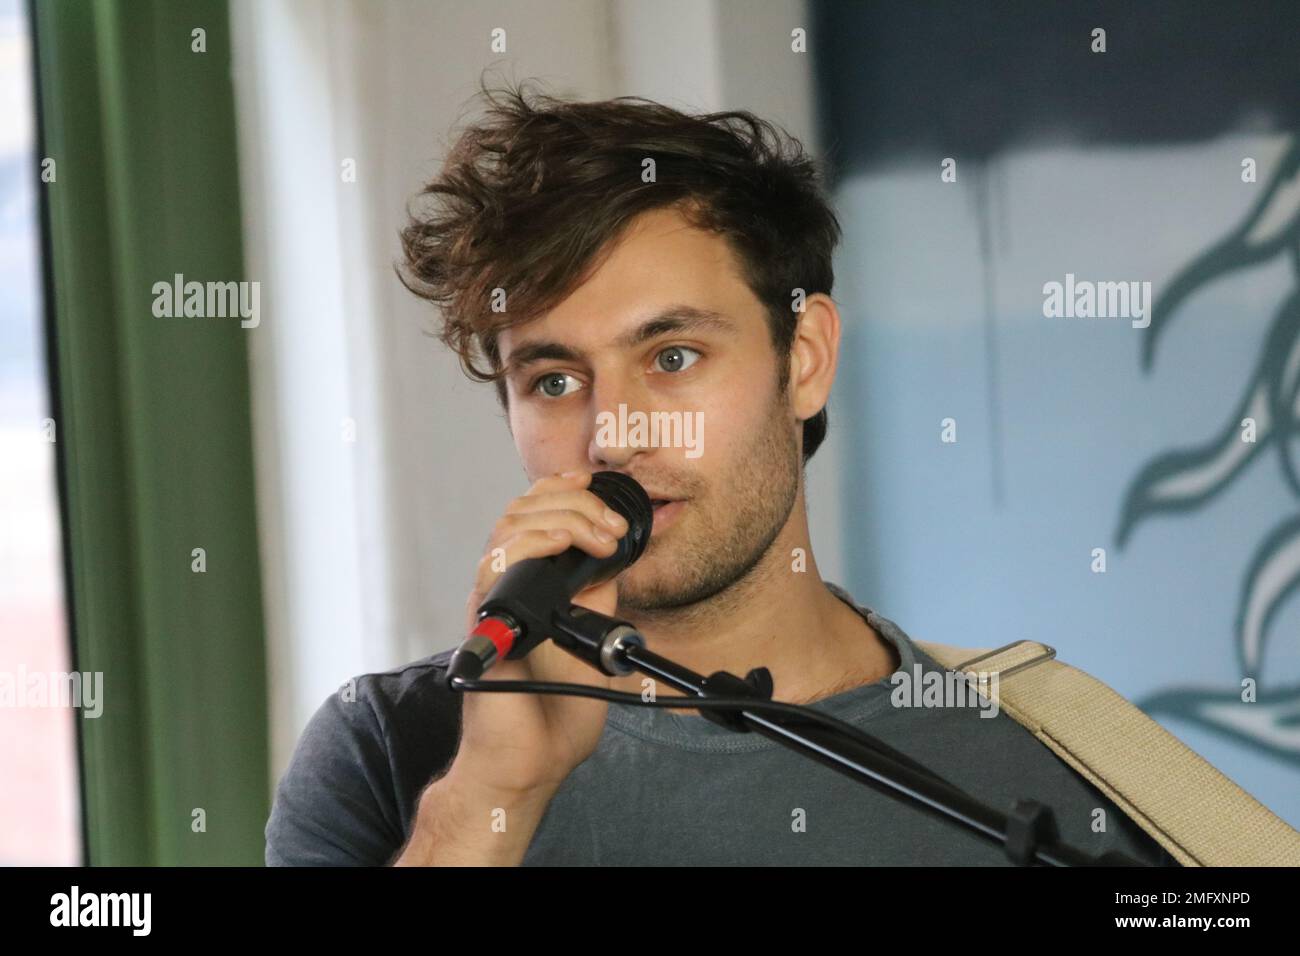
[533, 192]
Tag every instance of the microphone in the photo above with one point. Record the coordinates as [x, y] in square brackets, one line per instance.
[519, 612]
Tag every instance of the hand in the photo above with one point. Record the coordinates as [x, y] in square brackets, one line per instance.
[528, 743]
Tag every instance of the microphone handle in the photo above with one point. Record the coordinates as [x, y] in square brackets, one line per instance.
[517, 613]
[531, 591]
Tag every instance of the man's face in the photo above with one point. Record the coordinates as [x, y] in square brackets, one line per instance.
[597, 350]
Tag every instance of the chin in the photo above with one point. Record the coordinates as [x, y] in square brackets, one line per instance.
[649, 580]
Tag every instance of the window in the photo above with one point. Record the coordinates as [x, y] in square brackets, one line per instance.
[39, 804]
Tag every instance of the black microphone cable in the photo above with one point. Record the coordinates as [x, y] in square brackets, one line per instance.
[797, 711]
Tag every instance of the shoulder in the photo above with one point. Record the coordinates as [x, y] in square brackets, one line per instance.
[349, 792]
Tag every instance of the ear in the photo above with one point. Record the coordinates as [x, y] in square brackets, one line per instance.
[814, 354]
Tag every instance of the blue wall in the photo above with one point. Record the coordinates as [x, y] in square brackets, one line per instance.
[990, 539]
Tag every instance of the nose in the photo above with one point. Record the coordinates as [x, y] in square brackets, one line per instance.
[615, 439]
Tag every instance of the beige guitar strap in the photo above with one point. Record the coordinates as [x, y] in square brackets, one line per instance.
[1196, 813]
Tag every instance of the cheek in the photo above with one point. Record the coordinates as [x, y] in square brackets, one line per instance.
[735, 415]
[547, 443]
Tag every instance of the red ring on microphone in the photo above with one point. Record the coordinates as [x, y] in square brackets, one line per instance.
[501, 634]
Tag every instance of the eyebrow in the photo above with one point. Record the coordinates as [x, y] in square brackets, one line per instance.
[677, 318]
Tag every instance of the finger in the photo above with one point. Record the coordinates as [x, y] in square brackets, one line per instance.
[564, 481]
[533, 543]
[571, 500]
[595, 538]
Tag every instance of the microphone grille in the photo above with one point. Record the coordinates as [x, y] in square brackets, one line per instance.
[626, 496]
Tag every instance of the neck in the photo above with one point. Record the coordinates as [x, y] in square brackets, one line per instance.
[780, 616]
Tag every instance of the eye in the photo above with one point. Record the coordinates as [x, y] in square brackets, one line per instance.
[552, 384]
[674, 358]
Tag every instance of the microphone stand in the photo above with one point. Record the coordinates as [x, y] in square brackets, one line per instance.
[1028, 833]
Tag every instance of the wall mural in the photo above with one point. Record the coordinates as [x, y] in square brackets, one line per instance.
[1184, 480]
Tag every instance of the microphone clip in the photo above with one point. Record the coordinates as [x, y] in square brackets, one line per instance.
[757, 684]
[596, 638]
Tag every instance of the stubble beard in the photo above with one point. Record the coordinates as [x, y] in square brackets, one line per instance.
[727, 534]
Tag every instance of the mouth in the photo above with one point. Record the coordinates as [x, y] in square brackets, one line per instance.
[666, 511]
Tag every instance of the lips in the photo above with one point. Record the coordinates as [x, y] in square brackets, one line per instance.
[665, 506]
[665, 511]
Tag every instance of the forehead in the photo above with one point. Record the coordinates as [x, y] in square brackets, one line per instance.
[661, 260]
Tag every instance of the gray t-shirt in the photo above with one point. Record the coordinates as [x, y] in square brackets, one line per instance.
[672, 789]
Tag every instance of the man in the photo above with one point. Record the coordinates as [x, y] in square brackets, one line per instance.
[592, 258]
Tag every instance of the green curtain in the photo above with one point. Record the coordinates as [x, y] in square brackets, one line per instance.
[153, 427]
